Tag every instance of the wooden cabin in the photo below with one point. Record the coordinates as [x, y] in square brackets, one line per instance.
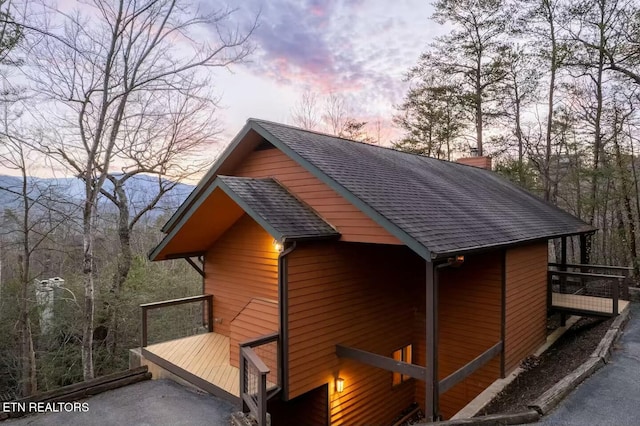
[348, 282]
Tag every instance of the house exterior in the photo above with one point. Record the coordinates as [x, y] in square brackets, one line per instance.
[389, 279]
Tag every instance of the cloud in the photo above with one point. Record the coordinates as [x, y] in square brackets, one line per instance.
[359, 49]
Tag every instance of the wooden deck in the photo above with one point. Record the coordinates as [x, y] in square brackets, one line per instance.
[586, 304]
[202, 360]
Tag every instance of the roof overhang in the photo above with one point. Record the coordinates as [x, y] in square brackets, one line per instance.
[227, 199]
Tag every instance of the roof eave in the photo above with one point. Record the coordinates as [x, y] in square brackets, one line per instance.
[263, 222]
[207, 179]
[490, 247]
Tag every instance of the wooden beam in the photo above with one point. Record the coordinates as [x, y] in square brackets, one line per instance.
[380, 361]
[465, 371]
[431, 374]
[195, 266]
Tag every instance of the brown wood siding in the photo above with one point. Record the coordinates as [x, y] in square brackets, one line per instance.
[310, 409]
[526, 302]
[469, 324]
[257, 318]
[359, 295]
[349, 220]
[240, 266]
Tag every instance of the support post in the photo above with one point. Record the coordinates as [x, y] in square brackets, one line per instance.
[615, 293]
[431, 376]
[209, 305]
[563, 278]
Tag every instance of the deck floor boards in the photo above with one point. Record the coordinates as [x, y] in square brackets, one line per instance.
[203, 355]
[586, 303]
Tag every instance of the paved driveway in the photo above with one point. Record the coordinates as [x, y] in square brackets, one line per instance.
[612, 395]
[152, 402]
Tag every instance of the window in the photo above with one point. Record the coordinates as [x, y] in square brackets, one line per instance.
[405, 355]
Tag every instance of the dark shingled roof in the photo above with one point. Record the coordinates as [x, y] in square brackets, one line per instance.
[446, 207]
[276, 209]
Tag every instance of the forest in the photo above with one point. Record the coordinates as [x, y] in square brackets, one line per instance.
[116, 98]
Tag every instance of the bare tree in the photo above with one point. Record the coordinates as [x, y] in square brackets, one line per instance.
[161, 139]
[31, 220]
[108, 57]
[305, 112]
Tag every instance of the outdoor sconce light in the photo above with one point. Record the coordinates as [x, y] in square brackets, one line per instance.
[339, 384]
[456, 261]
[278, 246]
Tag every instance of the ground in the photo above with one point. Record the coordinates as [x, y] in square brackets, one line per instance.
[152, 402]
[571, 350]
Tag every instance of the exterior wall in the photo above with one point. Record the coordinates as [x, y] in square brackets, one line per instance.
[257, 318]
[240, 266]
[350, 221]
[526, 302]
[359, 295]
[469, 324]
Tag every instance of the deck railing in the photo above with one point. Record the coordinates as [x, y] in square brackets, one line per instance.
[254, 375]
[572, 290]
[146, 307]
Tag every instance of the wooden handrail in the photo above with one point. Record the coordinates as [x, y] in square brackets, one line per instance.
[255, 403]
[586, 266]
[585, 275]
[383, 362]
[145, 307]
[465, 371]
[172, 302]
[259, 341]
[254, 359]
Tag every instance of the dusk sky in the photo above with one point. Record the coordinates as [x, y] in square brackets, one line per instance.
[360, 49]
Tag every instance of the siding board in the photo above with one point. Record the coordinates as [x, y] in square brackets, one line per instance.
[240, 266]
[526, 302]
[349, 220]
[469, 321]
[367, 302]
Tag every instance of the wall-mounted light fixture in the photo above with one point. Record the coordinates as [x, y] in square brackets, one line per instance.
[278, 246]
[456, 261]
[339, 384]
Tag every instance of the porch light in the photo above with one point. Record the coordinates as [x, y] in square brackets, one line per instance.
[278, 246]
[456, 261]
[339, 384]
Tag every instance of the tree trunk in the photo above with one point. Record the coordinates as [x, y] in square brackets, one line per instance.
[28, 382]
[597, 141]
[626, 203]
[479, 112]
[89, 290]
[123, 264]
[552, 88]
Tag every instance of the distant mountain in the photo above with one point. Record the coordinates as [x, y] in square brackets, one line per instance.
[64, 193]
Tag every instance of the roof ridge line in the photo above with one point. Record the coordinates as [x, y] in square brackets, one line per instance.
[387, 148]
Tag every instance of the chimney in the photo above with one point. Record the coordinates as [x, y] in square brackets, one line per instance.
[482, 162]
